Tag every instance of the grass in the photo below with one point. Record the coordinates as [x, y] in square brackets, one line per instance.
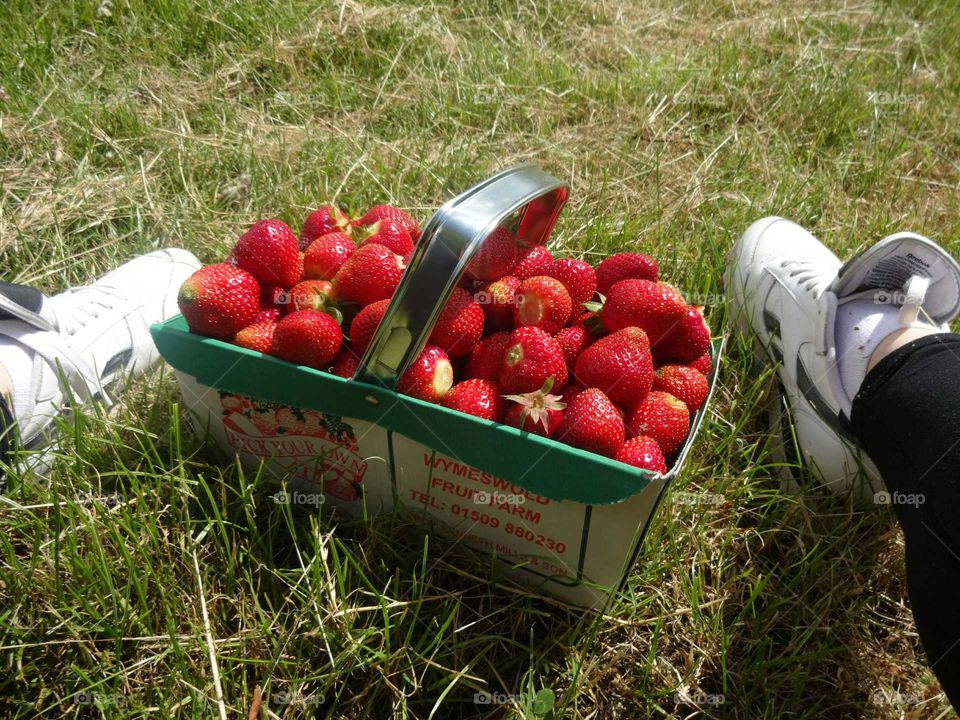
[148, 574]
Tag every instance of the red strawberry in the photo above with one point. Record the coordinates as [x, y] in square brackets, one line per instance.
[660, 416]
[498, 300]
[619, 364]
[257, 336]
[269, 251]
[571, 392]
[625, 266]
[684, 383]
[268, 314]
[531, 358]
[573, 340]
[388, 212]
[642, 452]
[476, 397]
[327, 254]
[702, 364]
[429, 377]
[307, 337]
[578, 278]
[495, 257]
[544, 303]
[370, 274]
[459, 326]
[364, 325]
[345, 364]
[390, 234]
[487, 357]
[687, 341]
[219, 300]
[314, 294]
[538, 412]
[593, 423]
[654, 307]
[323, 220]
[531, 261]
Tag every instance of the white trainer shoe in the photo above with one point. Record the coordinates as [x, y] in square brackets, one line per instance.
[784, 287]
[91, 339]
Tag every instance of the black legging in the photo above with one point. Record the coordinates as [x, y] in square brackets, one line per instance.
[907, 418]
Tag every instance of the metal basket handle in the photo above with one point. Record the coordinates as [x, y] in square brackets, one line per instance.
[450, 238]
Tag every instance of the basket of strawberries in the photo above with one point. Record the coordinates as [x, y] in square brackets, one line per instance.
[511, 399]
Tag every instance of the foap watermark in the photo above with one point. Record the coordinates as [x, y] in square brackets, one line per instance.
[894, 98]
[482, 497]
[898, 498]
[288, 698]
[699, 498]
[698, 697]
[99, 699]
[483, 297]
[286, 497]
[889, 297]
[895, 697]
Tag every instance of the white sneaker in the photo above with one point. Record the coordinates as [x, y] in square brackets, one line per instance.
[91, 339]
[784, 287]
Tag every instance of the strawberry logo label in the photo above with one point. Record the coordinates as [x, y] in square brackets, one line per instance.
[299, 444]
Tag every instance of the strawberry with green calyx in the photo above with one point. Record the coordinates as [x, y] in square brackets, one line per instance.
[642, 452]
[477, 397]
[391, 213]
[325, 219]
[326, 255]
[538, 412]
[269, 251]
[592, 422]
[663, 417]
[219, 300]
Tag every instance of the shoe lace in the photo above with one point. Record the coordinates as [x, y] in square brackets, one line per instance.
[77, 307]
[810, 276]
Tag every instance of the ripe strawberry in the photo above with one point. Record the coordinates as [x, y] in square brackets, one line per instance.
[388, 212]
[573, 340]
[642, 452]
[625, 266]
[345, 364]
[593, 423]
[619, 364]
[268, 314]
[538, 412]
[257, 336]
[327, 254]
[531, 261]
[684, 383]
[487, 357]
[323, 220]
[307, 337]
[544, 303]
[429, 377]
[269, 251]
[313, 294]
[476, 397]
[531, 358]
[495, 257]
[364, 325]
[579, 278]
[390, 234]
[702, 364]
[370, 274]
[654, 307]
[660, 416]
[687, 341]
[219, 300]
[498, 299]
[459, 326]
[571, 392]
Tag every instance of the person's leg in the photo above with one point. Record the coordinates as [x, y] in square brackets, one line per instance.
[907, 417]
[80, 344]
